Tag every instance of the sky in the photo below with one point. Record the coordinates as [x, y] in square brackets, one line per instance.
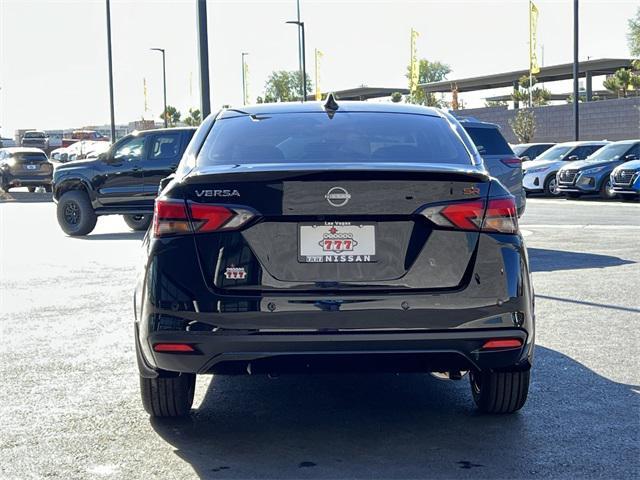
[53, 54]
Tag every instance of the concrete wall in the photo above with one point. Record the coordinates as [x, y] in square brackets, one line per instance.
[617, 119]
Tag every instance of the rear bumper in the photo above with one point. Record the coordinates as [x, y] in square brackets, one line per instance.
[423, 351]
[24, 180]
[411, 329]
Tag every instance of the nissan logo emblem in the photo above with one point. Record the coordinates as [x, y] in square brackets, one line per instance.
[337, 196]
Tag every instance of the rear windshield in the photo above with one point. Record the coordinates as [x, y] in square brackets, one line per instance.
[34, 135]
[347, 137]
[489, 141]
[29, 157]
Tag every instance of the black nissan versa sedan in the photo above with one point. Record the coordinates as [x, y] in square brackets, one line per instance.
[344, 236]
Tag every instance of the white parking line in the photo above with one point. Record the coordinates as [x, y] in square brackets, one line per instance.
[578, 227]
[558, 201]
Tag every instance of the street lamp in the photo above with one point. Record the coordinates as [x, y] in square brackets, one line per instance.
[304, 62]
[110, 61]
[244, 80]
[164, 81]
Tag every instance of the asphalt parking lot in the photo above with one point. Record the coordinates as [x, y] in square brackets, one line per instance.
[70, 408]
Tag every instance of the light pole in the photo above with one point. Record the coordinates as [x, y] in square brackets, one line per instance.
[576, 95]
[203, 55]
[111, 108]
[303, 88]
[244, 80]
[164, 82]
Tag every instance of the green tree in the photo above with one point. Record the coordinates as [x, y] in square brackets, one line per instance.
[539, 95]
[428, 72]
[396, 97]
[495, 103]
[524, 125]
[172, 115]
[633, 36]
[622, 81]
[284, 86]
[194, 118]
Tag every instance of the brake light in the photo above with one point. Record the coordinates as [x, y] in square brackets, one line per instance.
[497, 215]
[173, 217]
[465, 216]
[512, 162]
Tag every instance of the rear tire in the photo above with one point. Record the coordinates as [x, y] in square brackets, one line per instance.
[168, 396]
[500, 392]
[139, 223]
[551, 186]
[75, 213]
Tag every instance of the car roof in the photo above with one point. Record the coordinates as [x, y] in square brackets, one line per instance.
[583, 143]
[22, 150]
[474, 122]
[627, 142]
[533, 144]
[343, 106]
[160, 130]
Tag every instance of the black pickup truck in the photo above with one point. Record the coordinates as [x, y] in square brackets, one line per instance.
[122, 181]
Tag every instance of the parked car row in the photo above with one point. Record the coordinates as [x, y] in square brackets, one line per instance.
[573, 169]
[82, 149]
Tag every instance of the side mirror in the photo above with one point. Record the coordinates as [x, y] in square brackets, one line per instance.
[102, 157]
[165, 181]
[630, 157]
[524, 159]
[572, 158]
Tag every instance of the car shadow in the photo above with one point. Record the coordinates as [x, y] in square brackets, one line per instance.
[25, 197]
[546, 260]
[575, 424]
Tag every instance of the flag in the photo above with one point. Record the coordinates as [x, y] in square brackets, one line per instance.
[319, 55]
[415, 65]
[144, 90]
[533, 26]
[245, 66]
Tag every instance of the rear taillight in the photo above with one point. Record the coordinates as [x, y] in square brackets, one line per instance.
[173, 217]
[512, 162]
[497, 215]
[170, 217]
[501, 216]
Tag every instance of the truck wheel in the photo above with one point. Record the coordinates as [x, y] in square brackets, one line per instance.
[168, 396]
[138, 222]
[606, 191]
[551, 186]
[499, 392]
[75, 213]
